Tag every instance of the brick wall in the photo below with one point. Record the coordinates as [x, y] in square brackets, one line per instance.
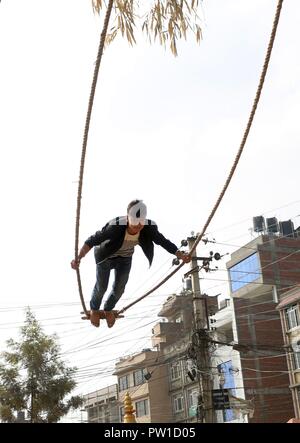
[259, 329]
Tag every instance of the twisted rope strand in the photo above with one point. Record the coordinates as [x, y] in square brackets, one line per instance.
[85, 139]
[249, 124]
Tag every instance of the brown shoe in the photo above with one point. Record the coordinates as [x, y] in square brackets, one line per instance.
[94, 318]
[110, 318]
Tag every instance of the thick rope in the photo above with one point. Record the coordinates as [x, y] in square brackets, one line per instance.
[85, 139]
[237, 158]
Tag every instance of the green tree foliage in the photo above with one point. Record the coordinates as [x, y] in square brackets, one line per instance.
[165, 20]
[33, 378]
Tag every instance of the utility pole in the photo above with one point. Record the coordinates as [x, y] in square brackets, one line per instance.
[203, 360]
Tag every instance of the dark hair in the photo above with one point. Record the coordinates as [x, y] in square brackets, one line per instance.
[133, 203]
[136, 210]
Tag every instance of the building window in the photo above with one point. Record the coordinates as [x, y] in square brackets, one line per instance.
[175, 371]
[190, 371]
[178, 403]
[92, 412]
[244, 272]
[292, 316]
[121, 411]
[296, 354]
[227, 382]
[138, 377]
[193, 396]
[124, 382]
[142, 408]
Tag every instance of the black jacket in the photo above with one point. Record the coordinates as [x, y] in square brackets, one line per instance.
[110, 239]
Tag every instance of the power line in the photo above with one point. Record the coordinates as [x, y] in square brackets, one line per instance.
[250, 218]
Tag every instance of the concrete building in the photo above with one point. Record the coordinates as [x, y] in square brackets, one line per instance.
[181, 381]
[161, 381]
[102, 406]
[289, 308]
[144, 377]
[259, 274]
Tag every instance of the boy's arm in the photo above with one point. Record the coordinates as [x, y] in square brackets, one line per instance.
[92, 241]
[83, 251]
[159, 239]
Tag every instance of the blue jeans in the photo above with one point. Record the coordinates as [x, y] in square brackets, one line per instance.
[122, 266]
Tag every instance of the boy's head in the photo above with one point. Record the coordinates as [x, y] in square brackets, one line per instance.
[137, 213]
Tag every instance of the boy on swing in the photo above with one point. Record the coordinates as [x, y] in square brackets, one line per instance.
[114, 246]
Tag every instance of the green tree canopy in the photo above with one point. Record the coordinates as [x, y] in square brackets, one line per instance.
[34, 379]
[165, 20]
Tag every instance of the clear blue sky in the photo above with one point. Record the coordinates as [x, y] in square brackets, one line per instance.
[164, 129]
